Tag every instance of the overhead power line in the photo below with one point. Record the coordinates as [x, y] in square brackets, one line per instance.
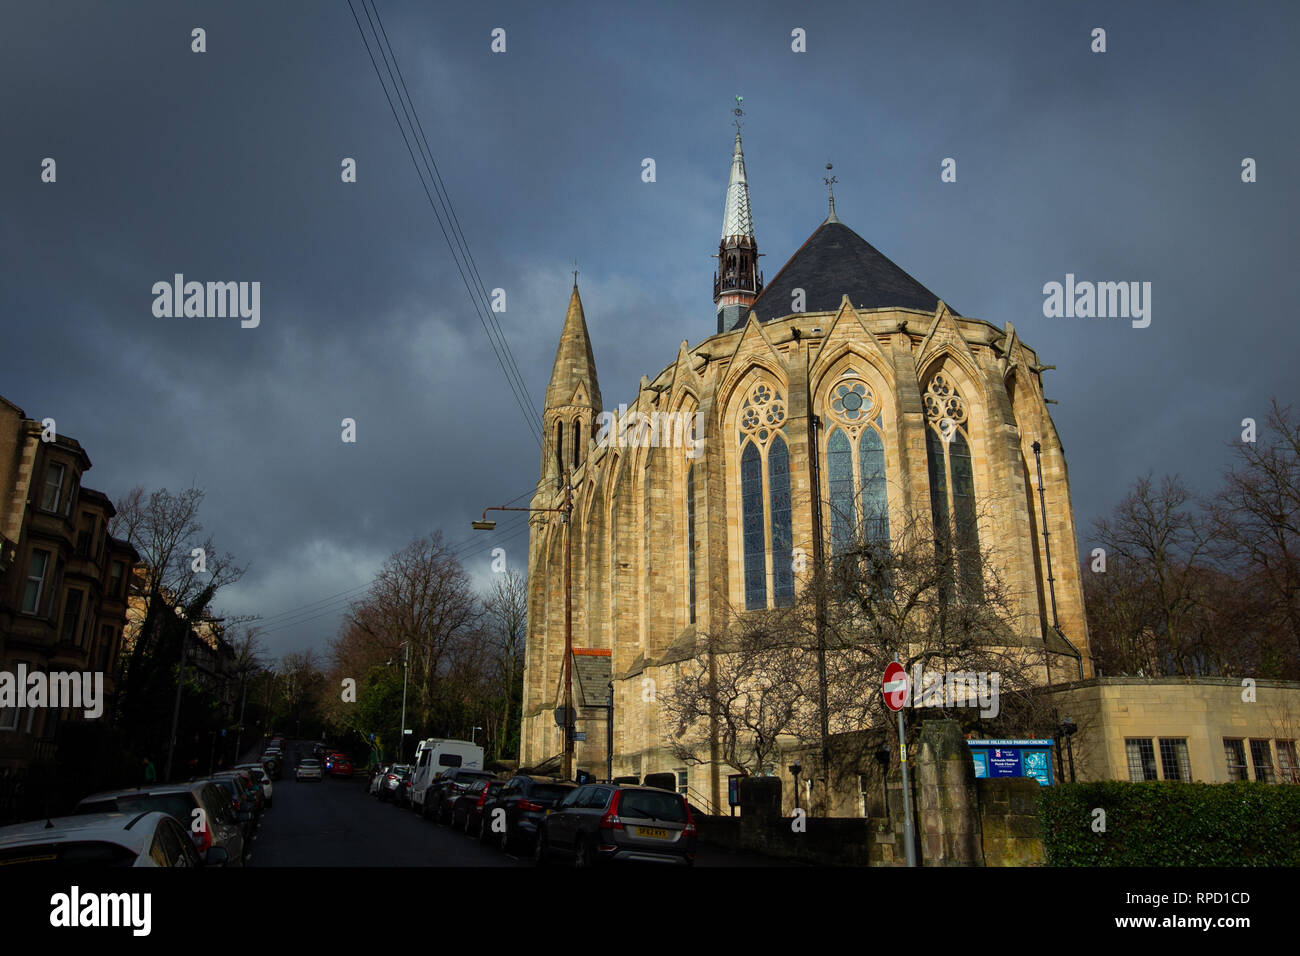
[445, 214]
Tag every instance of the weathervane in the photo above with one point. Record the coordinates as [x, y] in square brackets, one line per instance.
[738, 110]
[830, 184]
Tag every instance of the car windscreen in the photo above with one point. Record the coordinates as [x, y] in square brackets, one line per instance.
[179, 805]
[78, 853]
[310, 763]
[547, 791]
[660, 806]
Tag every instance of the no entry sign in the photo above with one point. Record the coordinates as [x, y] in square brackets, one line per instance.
[894, 686]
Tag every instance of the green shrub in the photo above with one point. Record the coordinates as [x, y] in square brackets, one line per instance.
[1171, 824]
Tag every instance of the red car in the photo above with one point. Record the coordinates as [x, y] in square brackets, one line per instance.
[340, 766]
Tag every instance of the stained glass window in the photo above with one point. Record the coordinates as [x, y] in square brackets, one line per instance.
[952, 484]
[839, 479]
[751, 498]
[690, 541]
[963, 504]
[875, 494]
[778, 468]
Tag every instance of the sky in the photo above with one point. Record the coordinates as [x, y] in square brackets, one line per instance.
[225, 165]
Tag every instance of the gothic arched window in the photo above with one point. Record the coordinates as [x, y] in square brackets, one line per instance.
[690, 542]
[856, 485]
[559, 446]
[767, 532]
[577, 443]
[952, 483]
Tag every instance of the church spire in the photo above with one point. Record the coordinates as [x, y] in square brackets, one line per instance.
[737, 282]
[573, 395]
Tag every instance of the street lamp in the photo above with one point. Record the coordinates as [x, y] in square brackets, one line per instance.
[796, 768]
[473, 734]
[406, 675]
[566, 509]
[1067, 730]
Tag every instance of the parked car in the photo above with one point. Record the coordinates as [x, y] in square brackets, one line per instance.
[147, 838]
[390, 780]
[377, 776]
[252, 784]
[263, 778]
[274, 766]
[526, 800]
[433, 757]
[469, 806]
[309, 769]
[218, 825]
[402, 792]
[340, 766]
[452, 785]
[601, 822]
[242, 802]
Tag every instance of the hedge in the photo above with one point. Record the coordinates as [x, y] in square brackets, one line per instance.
[1171, 824]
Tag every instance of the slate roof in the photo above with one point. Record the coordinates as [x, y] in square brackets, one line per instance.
[835, 261]
[591, 674]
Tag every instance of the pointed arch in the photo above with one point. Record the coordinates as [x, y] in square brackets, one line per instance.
[752, 531]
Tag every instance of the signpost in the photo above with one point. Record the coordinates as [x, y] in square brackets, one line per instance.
[894, 690]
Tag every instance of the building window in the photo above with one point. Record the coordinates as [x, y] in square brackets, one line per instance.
[577, 443]
[53, 491]
[1288, 770]
[1141, 759]
[690, 542]
[35, 582]
[952, 485]
[683, 782]
[1235, 753]
[1261, 755]
[856, 487]
[1174, 760]
[116, 572]
[9, 718]
[71, 616]
[766, 529]
[104, 655]
[559, 446]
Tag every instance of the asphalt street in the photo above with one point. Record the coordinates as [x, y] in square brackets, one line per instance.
[336, 822]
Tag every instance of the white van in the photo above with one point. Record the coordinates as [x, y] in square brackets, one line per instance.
[433, 756]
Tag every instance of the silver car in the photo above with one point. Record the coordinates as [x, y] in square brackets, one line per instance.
[259, 773]
[309, 768]
[199, 806]
[149, 838]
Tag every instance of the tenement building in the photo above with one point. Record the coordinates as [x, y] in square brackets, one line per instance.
[842, 373]
[63, 581]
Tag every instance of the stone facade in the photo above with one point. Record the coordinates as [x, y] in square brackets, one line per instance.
[1116, 714]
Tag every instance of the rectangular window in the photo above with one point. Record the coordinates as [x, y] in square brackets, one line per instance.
[9, 718]
[71, 616]
[53, 491]
[1141, 759]
[1261, 755]
[115, 575]
[104, 656]
[683, 782]
[35, 582]
[1174, 759]
[1288, 770]
[1235, 752]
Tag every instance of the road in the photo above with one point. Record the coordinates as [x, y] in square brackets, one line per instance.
[337, 823]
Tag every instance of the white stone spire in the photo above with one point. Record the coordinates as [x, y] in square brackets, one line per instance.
[736, 218]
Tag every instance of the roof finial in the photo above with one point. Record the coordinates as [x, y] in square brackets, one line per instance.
[575, 273]
[738, 111]
[830, 184]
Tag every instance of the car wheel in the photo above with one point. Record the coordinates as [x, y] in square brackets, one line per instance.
[582, 852]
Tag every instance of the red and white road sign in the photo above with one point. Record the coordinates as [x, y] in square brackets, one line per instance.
[894, 686]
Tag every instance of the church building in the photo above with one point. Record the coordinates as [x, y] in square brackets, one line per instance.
[841, 373]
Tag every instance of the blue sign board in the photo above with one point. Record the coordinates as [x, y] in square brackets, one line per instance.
[1013, 758]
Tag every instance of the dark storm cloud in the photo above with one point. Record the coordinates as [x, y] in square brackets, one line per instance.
[225, 166]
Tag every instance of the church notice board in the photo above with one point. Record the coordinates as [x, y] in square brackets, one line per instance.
[1013, 758]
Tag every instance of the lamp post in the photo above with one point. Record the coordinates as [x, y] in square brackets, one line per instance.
[566, 510]
[795, 769]
[1067, 730]
[609, 733]
[473, 734]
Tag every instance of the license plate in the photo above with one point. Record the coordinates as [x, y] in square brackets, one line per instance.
[655, 832]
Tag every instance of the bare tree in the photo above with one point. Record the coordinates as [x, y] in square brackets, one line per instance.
[506, 606]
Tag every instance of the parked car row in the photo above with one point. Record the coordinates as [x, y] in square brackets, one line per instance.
[551, 819]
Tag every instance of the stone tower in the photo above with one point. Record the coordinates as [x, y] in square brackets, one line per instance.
[572, 397]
